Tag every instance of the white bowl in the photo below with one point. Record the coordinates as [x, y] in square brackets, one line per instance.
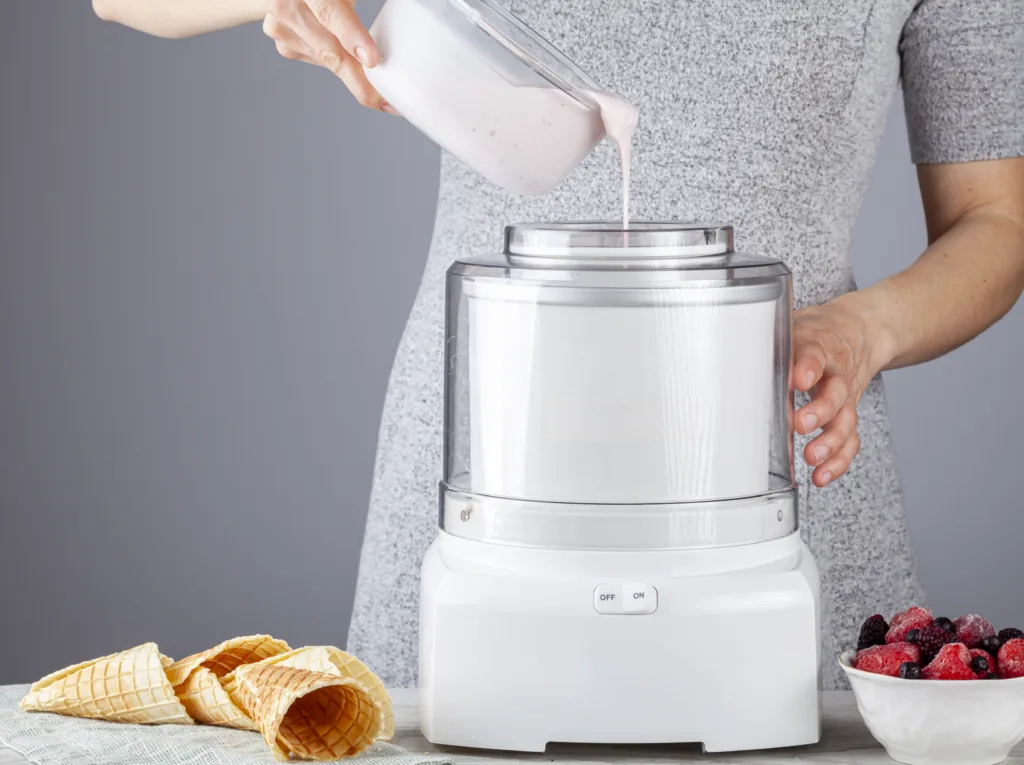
[940, 722]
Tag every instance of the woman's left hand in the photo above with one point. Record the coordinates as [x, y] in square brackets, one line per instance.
[835, 356]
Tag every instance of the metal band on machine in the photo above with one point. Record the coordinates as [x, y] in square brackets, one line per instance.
[563, 526]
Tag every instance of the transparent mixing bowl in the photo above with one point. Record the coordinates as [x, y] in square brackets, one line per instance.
[486, 88]
[609, 387]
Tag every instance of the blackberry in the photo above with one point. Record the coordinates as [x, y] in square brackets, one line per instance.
[931, 640]
[910, 670]
[872, 632]
[979, 664]
[991, 645]
[946, 624]
[1010, 633]
[912, 635]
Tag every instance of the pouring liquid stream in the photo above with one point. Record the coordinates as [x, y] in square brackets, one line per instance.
[620, 119]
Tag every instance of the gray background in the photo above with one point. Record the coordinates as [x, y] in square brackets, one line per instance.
[207, 255]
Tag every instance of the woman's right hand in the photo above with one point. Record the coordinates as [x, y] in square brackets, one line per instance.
[327, 33]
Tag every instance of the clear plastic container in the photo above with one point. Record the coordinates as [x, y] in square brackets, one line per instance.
[595, 373]
[487, 89]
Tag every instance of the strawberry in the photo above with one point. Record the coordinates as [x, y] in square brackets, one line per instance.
[901, 624]
[886, 659]
[972, 629]
[952, 663]
[1011, 658]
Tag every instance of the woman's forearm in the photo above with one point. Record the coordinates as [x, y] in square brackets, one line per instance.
[967, 279]
[180, 18]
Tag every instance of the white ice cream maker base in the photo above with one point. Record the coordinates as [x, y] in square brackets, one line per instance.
[617, 510]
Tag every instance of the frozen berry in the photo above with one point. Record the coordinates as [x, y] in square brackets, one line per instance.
[972, 629]
[979, 655]
[991, 676]
[1010, 633]
[979, 664]
[910, 670]
[886, 659]
[946, 624]
[991, 645]
[912, 635]
[931, 640]
[952, 663]
[872, 632]
[1011, 658]
[902, 623]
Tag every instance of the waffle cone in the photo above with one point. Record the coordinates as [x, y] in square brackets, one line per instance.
[196, 679]
[224, 658]
[308, 715]
[331, 661]
[130, 686]
[207, 702]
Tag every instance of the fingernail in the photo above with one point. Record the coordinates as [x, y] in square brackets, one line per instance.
[810, 422]
[390, 110]
[809, 377]
[820, 452]
[362, 55]
[825, 478]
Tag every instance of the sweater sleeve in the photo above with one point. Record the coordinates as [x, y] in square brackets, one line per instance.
[963, 80]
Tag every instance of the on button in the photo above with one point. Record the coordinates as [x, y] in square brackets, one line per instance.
[639, 599]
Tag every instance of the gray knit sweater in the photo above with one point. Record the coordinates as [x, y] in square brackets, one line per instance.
[762, 113]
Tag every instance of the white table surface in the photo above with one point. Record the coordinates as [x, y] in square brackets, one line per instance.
[844, 740]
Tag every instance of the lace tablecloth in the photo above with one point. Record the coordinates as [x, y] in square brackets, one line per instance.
[48, 739]
[845, 741]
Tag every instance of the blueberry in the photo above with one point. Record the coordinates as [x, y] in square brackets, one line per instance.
[946, 624]
[979, 664]
[991, 676]
[991, 645]
[1010, 633]
[910, 670]
[912, 635]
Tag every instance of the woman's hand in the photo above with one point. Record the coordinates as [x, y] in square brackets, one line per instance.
[836, 352]
[327, 33]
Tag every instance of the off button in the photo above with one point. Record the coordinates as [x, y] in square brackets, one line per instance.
[625, 599]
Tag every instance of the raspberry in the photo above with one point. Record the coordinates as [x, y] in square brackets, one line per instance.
[886, 659]
[972, 629]
[930, 640]
[991, 665]
[872, 632]
[952, 663]
[1011, 658]
[1010, 633]
[908, 620]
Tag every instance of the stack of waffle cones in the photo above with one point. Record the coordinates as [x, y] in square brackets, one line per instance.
[313, 703]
